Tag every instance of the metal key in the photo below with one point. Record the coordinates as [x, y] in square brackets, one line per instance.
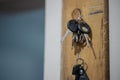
[84, 28]
[88, 40]
[75, 37]
[81, 38]
[66, 34]
[72, 26]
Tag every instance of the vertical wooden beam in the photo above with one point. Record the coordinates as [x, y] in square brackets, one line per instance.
[95, 13]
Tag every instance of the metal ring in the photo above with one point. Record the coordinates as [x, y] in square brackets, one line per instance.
[81, 60]
[86, 66]
[83, 63]
[79, 13]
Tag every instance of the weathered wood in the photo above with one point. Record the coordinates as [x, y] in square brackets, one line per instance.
[95, 13]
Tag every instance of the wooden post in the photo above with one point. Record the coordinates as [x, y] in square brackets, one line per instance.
[95, 13]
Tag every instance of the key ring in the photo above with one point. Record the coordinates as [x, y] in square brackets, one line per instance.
[86, 66]
[76, 14]
[83, 26]
[83, 64]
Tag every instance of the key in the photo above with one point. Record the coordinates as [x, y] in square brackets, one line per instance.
[81, 38]
[79, 72]
[75, 37]
[76, 67]
[84, 28]
[88, 40]
[66, 34]
[73, 26]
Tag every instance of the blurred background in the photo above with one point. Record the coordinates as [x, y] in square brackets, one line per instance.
[25, 29]
[22, 39]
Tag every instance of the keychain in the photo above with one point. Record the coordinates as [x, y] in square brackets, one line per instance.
[81, 31]
[79, 71]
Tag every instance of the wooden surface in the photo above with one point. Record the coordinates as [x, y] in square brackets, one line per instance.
[98, 69]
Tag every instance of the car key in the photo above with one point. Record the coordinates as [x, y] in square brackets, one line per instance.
[72, 26]
[88, 40]
[80, 72]
[84, 27]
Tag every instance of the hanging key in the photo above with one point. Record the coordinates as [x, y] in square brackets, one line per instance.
[75, 70]
[81, 38]
[66, 34]
[88, 41]
[72, 26]
[84, 28]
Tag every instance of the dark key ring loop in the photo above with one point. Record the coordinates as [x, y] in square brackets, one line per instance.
[83, 24]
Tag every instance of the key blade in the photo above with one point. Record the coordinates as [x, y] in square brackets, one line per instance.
[89, 45]
[65, 36]
[76, 37]
[93, 51]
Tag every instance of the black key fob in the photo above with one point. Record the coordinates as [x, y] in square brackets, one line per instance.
[73, 26]
[75, 70]
[79, 72]
[82, 74]
[84, 28]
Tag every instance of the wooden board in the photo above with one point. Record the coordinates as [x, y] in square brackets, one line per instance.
[98, 69]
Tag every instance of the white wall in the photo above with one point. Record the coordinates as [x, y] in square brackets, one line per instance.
[114, 7]
[53, 37]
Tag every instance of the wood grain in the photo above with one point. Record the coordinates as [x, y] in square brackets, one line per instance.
[98, 69]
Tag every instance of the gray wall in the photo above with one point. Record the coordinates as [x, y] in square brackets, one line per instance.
[114, 7]
[22, 45]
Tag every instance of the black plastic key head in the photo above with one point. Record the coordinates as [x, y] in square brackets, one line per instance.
[84, 28]
[76, 69]
[73, 26]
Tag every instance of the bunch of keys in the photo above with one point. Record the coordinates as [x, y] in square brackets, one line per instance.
[81, 32]
[79, 71]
